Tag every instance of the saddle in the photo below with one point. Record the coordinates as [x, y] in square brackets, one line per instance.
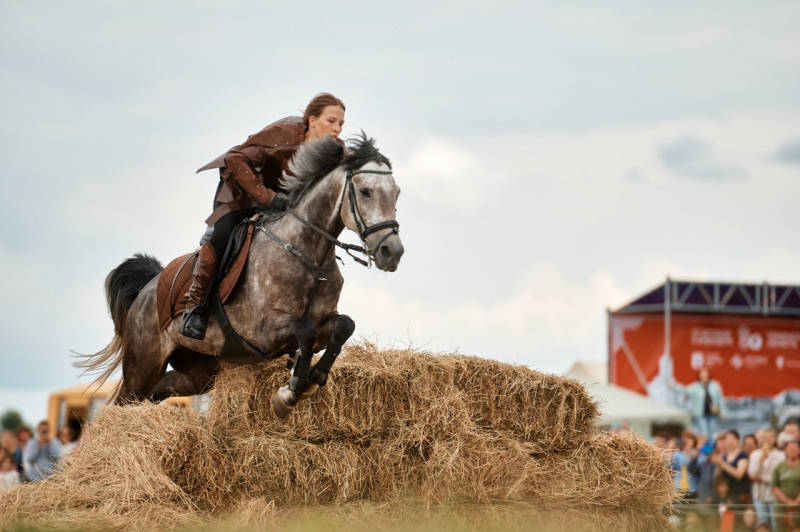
[177, 276]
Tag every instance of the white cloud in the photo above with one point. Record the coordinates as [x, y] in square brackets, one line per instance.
[446, 175]
[547, 321]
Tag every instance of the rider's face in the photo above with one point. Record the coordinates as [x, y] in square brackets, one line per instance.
[328, 123]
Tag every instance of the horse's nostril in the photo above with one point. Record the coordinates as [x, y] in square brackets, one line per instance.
[385, 253]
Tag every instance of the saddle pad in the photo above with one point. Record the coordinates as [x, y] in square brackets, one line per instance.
[171, 298]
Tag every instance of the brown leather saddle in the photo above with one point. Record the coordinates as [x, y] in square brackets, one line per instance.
[177, 276]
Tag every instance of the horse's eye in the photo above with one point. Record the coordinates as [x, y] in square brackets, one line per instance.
[364, 192]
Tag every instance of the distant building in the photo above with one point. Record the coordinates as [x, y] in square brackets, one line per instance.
[748, 335]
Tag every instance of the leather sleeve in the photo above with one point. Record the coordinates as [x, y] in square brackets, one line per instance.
[241, 163]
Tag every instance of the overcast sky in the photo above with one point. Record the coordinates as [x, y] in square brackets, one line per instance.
[556, 158]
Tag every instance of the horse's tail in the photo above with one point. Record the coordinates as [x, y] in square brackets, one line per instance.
[122, 286]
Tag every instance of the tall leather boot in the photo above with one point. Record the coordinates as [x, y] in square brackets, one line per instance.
[195, 317]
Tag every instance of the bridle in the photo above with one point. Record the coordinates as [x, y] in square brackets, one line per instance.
[363, 230]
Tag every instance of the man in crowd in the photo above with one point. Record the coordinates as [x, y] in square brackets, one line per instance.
[786, 488]
[760, 467]
[42, 453]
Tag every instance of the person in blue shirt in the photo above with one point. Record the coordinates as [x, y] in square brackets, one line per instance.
[684, 481]
[706, 402]
[42, 453]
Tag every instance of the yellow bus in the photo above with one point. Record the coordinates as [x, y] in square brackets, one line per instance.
[82, 403]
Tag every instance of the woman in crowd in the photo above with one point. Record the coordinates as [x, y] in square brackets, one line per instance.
[66, 439]
[707, 404]
[761, 464]
[732, 465]
[9, 475]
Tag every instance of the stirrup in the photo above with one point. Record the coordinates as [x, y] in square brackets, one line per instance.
[194, 323]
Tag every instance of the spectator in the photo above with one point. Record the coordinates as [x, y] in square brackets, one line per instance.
[67, 440]
[762, 463]
[660, 440]
[749, 444]
[8, 470]
[722, 492]
[24, 435]
[703, 468]
[786, 488]
[693, 522]
[684, 481]
[791, 431]
[733, 467]
[707, 404]
[763, 527]
[42, 453]
[8, 442]
[749, 520]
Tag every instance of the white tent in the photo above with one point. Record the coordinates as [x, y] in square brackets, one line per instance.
[623, 407]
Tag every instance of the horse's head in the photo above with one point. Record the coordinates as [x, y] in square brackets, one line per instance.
[366, 203]
[369, 205]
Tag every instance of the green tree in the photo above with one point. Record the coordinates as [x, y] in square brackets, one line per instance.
[11, 420]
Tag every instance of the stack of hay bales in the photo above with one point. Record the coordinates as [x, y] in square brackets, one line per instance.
[390, 425]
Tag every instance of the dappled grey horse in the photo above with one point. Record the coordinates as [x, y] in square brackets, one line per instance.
[286, 300]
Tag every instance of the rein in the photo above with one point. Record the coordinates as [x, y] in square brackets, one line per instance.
[364, 231]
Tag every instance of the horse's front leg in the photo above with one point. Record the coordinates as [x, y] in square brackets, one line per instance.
[338, 329]
[285, 399]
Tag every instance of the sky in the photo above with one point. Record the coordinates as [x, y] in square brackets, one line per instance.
[556, 158]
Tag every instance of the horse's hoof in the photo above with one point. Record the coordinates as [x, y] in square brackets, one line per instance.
[317, 380]
[309, 391]
[284, 401]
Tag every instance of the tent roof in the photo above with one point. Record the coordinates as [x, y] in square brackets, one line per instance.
[589, 371]
[707, 297]
[619, 405]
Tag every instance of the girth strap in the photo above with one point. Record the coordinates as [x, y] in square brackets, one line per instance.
[318, 272]
[235, 347]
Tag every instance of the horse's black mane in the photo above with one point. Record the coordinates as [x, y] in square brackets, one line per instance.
[317, 158]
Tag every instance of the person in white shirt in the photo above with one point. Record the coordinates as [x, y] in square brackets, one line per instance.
[762, 461]
[8, 471]
[65, 438]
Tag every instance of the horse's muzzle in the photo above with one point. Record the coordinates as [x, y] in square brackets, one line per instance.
[387, 256]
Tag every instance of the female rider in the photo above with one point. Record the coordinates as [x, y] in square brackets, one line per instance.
[251, 174]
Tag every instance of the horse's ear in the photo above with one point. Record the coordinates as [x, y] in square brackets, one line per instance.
[362, 150]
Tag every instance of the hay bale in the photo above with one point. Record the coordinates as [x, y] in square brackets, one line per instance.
[391, 428]
[604, 471]
[136, 468]
[373, 393]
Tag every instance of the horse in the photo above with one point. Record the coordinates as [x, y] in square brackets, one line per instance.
[286, 302]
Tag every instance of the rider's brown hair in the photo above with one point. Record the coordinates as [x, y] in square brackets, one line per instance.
[318, 104]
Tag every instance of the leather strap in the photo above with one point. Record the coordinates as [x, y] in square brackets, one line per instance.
[235, 346]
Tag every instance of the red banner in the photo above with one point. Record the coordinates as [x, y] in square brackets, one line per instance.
[749, 356]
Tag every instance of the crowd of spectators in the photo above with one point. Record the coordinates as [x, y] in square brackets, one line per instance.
[730, 483]
[25, 457]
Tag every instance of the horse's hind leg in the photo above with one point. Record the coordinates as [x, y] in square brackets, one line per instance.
[285, 399]
[141, 370]
[194, 374]
[177, 384]
[144, 361]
